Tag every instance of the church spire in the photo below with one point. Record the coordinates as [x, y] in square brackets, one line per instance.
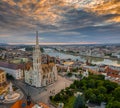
[37, 41]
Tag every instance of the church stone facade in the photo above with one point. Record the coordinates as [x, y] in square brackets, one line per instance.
[39, 74]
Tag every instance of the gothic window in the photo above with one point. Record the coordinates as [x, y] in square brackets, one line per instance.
[37, 60]
[43, 76]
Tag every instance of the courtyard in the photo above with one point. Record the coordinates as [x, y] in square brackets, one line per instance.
[42, 94]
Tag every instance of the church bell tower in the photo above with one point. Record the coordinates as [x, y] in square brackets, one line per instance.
[37, 68]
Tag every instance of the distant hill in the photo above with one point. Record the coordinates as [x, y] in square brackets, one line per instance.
[3, 44]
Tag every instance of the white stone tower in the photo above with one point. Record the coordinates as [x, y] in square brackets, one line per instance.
[37, 68]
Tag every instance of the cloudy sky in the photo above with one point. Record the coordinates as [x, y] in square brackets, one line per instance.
[60, 21]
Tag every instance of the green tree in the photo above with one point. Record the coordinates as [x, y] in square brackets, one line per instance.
[42, 49]
[92, 98]
[110, 86]
[102, 90]
[57, 97]
[68, 92]
[82, 83]
[88, 93]
[91, 83]
[72, 86]
[100, 98]
[84, 88]
[80, 75]
[79, 102]
[116, 94]
[77, 83]
[109, 98]
[96, 91]
[99, 83]
[69, 74]
[114, 104]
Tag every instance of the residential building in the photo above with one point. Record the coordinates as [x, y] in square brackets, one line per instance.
[12, 69]
[2, 77]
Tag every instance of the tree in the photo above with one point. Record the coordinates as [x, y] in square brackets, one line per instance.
[77, 83]
[99, 83]
[110, 86]
[79, 102]
[116, 94]
[69, 74]
[97, 77]
[41, 49]
[96, 92]
[100, 98]
[91, 83]
[72, 86]
[114, 104]
[108, 97]
[80, 75]
[88, 93]
[102, 89]
[69, 92]
[75, 69]
[84, 88]
[9, 77]
[82, 83]
[57, 97]
[51, 97]
[92, 98]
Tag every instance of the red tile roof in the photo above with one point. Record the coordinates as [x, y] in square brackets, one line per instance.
[109, 70]
[19, 103]
[114, 76]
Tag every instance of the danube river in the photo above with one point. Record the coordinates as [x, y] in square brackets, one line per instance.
[93, 60]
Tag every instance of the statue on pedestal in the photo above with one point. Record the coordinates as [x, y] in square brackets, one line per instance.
[10, 89]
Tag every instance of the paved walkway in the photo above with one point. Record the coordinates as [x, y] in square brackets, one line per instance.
[53, 89]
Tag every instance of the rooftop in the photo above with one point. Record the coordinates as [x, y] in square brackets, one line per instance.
[68, 63]
[10, 65]
[21, 103]
[40, 105]
[45, 67]
[1, 71]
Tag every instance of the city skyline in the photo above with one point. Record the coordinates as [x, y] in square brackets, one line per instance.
[60, 22]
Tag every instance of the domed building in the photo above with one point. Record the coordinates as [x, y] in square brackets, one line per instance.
[39, 74]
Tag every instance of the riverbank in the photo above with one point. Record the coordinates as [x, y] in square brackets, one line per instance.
[111, 58]
[83, 58]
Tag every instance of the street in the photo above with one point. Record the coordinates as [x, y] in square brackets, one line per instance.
[42, 94]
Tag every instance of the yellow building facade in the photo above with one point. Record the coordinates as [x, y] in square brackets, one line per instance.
[2, 77]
